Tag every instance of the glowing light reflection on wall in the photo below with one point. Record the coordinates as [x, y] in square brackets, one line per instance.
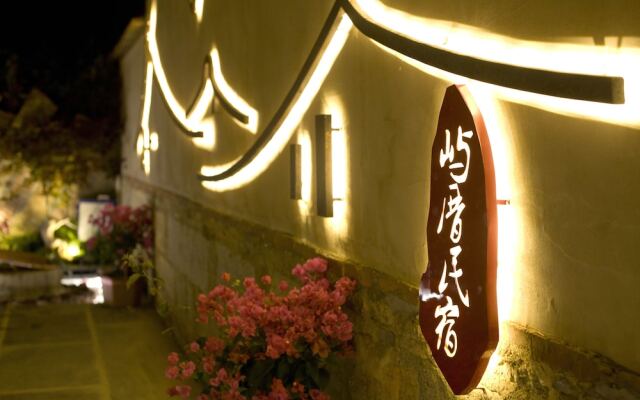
[147, 141]
[232, 97]
[620, 114]
[174, 105]
[338, 225]
[198, 119]
[292, 119]
[510, 221]
[306, 171]
[198, 8]
[461, 39]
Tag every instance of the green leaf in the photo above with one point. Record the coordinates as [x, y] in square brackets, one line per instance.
[132, 279]
[283, 370]
[317, 375]
[313, 372]
[300, 374]
[323, 378]
[259, 372]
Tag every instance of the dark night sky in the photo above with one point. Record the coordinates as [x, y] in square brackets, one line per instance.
[69, 27]
[57, 41]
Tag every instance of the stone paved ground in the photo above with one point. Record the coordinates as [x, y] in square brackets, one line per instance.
[82, 352]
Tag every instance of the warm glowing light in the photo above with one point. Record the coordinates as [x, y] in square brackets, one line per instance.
[174, 105]
[510, 219]
[339, 162]
[306, 171]
[507, 186]
[199, 120]
[231, 96]
[198, 8]
[202, 104]
[154, 141]
[146, 162]
[478, 43]
[93, 283]
[67, 250]
[139, 145]
[148, 88]
[337, 227]
[216, 169]
[146, 141]
[287, 125]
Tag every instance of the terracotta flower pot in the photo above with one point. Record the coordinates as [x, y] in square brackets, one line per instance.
[116, 292]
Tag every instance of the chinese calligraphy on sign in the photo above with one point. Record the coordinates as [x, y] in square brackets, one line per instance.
[456, 161]
[458, 311]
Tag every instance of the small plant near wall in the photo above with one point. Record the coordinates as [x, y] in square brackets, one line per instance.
[124, 245]
[120, 230]
[274, 342]
[139, 265]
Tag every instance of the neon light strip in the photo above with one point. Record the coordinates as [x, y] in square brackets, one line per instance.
[230, 100]
[198, 6]
[392, 29]
[412, 38]
[213, 84]
[177, 112]
[146, 142]
[274, 138]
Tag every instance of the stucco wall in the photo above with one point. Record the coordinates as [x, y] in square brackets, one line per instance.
[568, 270]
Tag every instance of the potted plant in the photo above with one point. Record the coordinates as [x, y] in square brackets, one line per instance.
[121, 230]
[272, 342]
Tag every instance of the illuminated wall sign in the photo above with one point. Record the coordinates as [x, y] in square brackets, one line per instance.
[458, 309]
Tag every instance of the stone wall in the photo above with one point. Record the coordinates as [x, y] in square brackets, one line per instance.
[196, 245]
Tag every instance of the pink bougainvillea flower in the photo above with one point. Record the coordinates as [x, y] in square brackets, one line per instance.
[183, 391]
[173, 358]
[318, 395]
[278, 391]
[172, 372]
[256, 323]
[188, 368]
[194, 347]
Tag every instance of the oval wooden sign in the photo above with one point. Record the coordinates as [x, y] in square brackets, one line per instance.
[458, 310]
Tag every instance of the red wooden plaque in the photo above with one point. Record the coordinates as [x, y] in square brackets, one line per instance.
[458, 310]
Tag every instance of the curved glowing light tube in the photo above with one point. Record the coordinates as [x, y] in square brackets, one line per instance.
[413, 38]
[193, 121]
[238, 105]
[290, 120]
[177, 111]
[567, 58]
[198, 8]
[147, 141]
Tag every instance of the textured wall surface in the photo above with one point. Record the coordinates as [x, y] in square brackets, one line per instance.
[568, 272]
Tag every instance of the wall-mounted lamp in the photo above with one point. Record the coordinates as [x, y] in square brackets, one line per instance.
[329, 153]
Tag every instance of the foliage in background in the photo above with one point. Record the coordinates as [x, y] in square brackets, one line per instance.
[60, 130]
[120, 230]
[274, 343]
[60, 102]
[29, 242]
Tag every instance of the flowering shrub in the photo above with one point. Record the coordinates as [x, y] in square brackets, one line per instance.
[274, 344]
[120, 229]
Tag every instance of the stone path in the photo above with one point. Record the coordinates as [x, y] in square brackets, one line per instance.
[82, 352]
